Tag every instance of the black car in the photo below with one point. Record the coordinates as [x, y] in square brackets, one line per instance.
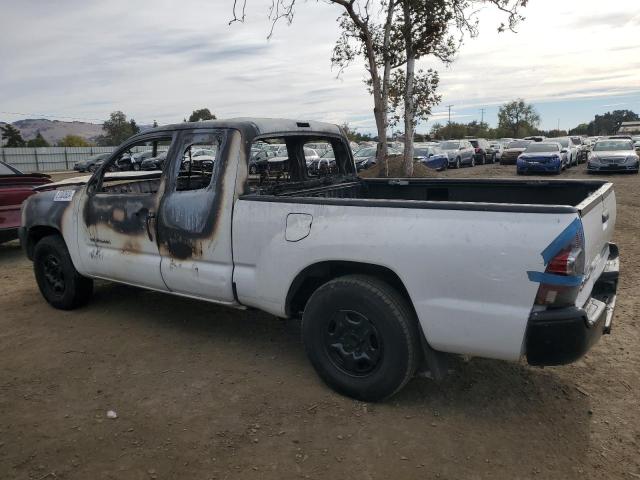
[483, 151]
[154, 163]
[92, 163]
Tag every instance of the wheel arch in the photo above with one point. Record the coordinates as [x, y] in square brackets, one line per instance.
[317, 274]
[35, 234]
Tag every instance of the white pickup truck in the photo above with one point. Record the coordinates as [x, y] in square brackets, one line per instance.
[387, 275]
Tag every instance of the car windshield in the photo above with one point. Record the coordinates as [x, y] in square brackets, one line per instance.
[576, 141]
[562, 141]
[519, 144]
[365, 152]
[542, 147]
[329, 154]
[474, 143]
[450, 145]
[612, 145]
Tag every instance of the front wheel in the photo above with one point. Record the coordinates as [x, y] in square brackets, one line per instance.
[60, 283]
[136, 166]
[361, 337]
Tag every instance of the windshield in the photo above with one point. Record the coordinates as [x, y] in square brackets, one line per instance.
[450, 145]
[613, 145]
[562, 141]
[576, 141]
[5, 170]
[519, 144]
[542, 147]
[365, 152]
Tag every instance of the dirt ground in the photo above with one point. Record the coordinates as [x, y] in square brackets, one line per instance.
[204, 392]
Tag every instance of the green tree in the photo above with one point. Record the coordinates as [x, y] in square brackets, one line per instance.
[73, 141]
[39, 141]
[609, 123]
[353, 135]
[518, 117]
[117, 129]
[11, 136]
[201, 114]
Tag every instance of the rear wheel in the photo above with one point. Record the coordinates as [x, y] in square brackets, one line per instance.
[136, 166]
[361, 337]
[60, 283]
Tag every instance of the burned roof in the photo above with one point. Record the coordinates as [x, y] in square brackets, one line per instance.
[259, 126]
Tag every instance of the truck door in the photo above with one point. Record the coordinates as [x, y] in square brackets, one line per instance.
[116, 221]
[194, 220]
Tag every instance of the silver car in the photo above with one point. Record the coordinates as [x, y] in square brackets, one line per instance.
[613, 155]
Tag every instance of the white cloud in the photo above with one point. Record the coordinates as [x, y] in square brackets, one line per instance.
[160, 59]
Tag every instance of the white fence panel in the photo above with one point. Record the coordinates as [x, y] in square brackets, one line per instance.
[48, 159]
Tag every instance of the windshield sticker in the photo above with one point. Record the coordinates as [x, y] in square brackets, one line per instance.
[63, 195]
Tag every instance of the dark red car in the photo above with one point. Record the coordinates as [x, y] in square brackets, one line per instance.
[15, 186]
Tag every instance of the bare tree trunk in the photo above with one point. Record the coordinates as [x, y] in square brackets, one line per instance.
[409, 110]
[384, 150]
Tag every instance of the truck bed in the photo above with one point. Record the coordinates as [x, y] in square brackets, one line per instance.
[493, 194]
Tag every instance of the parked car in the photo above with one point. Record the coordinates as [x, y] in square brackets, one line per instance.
[497, 149]
[324, 165]
[137, 159]
[202, 159]
[542, 157]
[259, 161]
[513, 150]
[615, 155]
[535, 138]
[431, 156]
[568, 151]
[459, 152]
[89, 165]
[359, 261]
[366, 157]
[310, 155]
[154, 163]
[15, 187]
[483, 151]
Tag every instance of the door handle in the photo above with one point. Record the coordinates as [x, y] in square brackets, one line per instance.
[150, 217]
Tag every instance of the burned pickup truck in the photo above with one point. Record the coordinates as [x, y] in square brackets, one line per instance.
[387, 275]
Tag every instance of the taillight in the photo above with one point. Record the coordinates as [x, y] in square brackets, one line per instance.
[565, 264]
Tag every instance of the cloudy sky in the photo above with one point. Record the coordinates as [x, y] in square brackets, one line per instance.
[160, 59]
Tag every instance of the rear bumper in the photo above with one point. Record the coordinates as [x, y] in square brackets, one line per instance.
[561, 336]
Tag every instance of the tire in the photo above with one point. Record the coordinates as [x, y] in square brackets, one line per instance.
[60, 283]
[359, 315]
[92, 168]
[253, 170]
[136, 166]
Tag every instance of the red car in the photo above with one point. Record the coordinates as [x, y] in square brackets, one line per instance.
[15, 186]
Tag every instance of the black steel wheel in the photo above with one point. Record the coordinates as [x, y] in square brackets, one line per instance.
[361, 336]
[59, 282]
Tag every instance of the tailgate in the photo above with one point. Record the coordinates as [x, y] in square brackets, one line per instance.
[598, 215]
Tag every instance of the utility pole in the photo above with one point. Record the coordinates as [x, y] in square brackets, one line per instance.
[449, 107]
[482, 110]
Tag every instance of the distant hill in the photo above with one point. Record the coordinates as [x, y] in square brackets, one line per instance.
[55, 130]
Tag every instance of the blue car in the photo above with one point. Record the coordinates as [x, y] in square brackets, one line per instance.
[431, 156]
[540, 157]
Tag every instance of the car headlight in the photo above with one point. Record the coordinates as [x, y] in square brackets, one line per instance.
[632, 158]
[594, 158]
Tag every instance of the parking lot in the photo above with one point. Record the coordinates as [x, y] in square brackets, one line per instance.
[203, 392]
